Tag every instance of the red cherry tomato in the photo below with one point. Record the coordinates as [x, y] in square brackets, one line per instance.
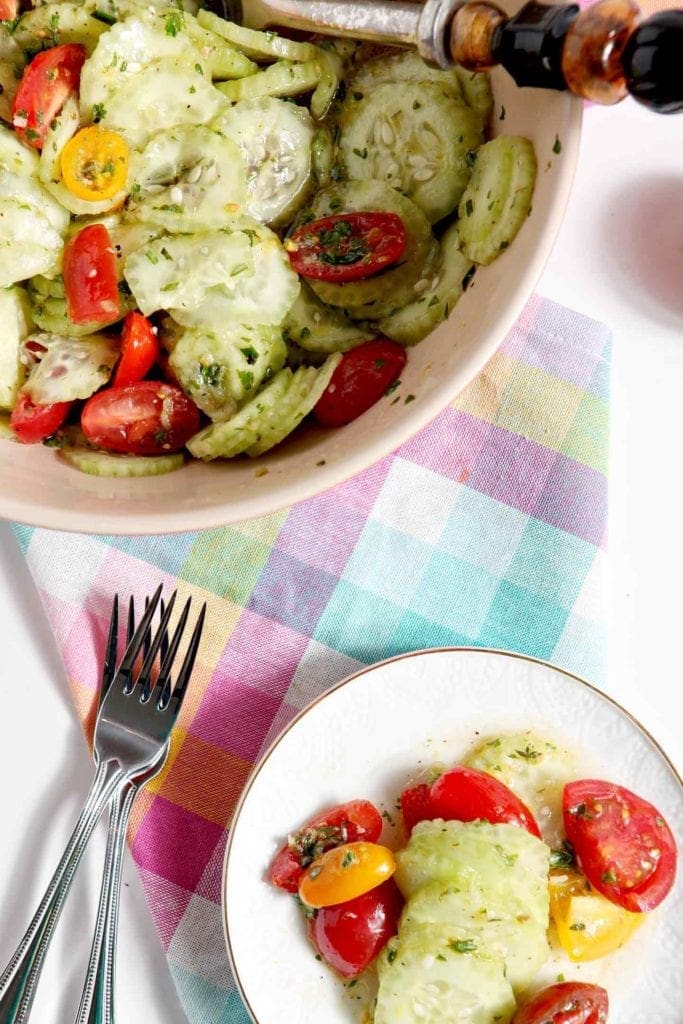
[45, 84]
[623, 844]
[32, 422]
[90, 278]
[350, 935]
[416, 805]
[360, 380]
[139, 350]
[147, 418]
[355, 821]
[464, 794]
[8, 9]
[347, 246]
[570, 1002]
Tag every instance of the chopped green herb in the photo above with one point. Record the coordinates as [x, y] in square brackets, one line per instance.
[529, 754]
[391, 954]
[440, 956]
[469, 207]
[322, 462]
[471, 157]
[170, 287]
[578, 926]
[99, 112]
[160, 436]
[508, 858]
[379, 363]
[239, 269]
[246, 379]
[358, 95]
[609, 878]
[502, 114]
[434, 301]
[210, 374]
[175, 23]
[563, 858]
[416, 105]
[557, 145]
[463, 945]
[392, 387]
[151, 256]
[304, 332]
[560, 977]
[409, 399]
[106, 19]
[198, 68]
[250, 354]
[387, 817]
[362, 153]
[468, 278]
[348, 859]
[165, 253]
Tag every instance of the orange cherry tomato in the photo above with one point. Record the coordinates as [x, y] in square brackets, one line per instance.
[95, 164]
[345, 872]
[588, 925]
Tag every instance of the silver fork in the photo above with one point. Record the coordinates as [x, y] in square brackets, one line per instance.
[97, 1000]
[131, 736]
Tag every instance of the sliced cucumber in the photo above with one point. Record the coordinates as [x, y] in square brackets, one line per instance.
[47, 287]
[274, 139]
[497, 200]
[15, 317]
[51, 315]
[425, 978]
[437, 293]
[315, 327]
[401, 67]
[414, 138]
[212, 278]
[222, 370]
[330, 80]
[322, 155]
[11, 66]
[71, 368]
[41, 246]
[286, 78]
[28, 192]
[62, 128]
[267, 418]
[261, 46]
[103, 464]
[376, 296]
[476, 91]
[187, 178]
[56, 23]
[14, 155]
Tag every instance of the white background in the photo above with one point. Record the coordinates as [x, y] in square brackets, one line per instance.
[619, 258]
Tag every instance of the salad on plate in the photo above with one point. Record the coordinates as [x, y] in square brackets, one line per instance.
[507, 861]
[208, 233]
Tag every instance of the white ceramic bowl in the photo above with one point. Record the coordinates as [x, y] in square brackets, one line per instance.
[37, 487]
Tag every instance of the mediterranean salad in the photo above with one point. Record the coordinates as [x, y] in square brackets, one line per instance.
[506, 857]
[208, 233]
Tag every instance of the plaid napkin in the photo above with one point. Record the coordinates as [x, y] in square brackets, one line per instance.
[486, 529]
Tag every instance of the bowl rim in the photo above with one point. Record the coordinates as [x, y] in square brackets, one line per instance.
[122, 521]
[515, 655]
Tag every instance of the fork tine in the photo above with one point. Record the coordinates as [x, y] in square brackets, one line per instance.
[145, 642]
[109, 667]
[163, 646]
[152, 647]
[135, 644]
[164, 680]
[131, 620]
[188, 664]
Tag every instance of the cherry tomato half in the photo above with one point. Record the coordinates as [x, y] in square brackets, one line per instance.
[351, 935]
[8, 9]
[147, 418]
[415, 805]
[464, 794]
[95, 164]
[360, 380]
[139, 350]
[33, 423]
[346, 823]
[45, 84]
[623, 844]
[90, 277]
[345, 872]
[347, 246]
[588, 925]
[570, 1002]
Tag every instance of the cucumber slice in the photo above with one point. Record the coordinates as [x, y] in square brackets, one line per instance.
[274, 139]
[53, 24]
[187, 178]
[429, 977]
[14, 155]
[415, 139]
[261, 46]
[476, 91]
[209, 279]
[105, 464]
[70, 368]
[534, 768]
[376, 296]
[47, 287]
[286, 78]
[51, 315]
[401, 67]
[41, 246]
[27, 192]
[221, 370]
[15, 316]
[11, 66]
[497, 200]
[438, 293]
[504, 930]
[322, 155]
[315, 327]
[327, 88]
[267, 418]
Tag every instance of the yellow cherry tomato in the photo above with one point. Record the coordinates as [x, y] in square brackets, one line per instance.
[95, 164]
[588, 926]
[345, 872]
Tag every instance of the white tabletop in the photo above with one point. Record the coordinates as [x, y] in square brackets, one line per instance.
[619, 258]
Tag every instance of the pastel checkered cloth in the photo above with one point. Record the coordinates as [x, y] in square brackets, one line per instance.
[487, 529]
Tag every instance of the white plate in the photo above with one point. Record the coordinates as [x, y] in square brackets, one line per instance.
[366, 738]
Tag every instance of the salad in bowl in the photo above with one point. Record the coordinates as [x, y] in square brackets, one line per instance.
[209, 234]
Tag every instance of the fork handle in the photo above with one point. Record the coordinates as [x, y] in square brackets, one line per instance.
[97, 1000]
[19, 979]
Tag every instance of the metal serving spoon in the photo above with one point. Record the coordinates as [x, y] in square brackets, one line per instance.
[601, 53]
